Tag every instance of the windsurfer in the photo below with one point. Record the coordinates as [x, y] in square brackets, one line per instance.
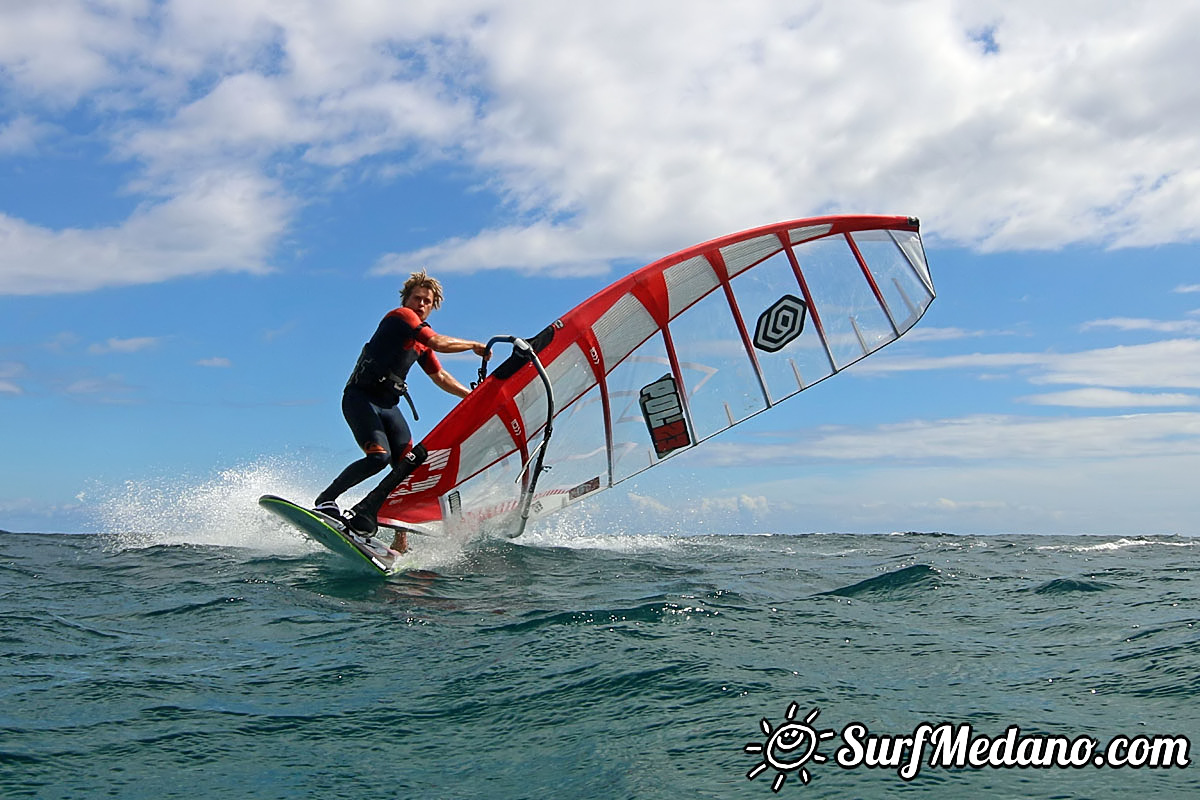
[371, 398]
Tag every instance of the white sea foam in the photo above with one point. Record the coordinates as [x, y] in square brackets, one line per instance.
[221, 509]
[577, 528]
[1119, 544]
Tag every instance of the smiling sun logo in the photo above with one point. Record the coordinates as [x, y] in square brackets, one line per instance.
[789, 747]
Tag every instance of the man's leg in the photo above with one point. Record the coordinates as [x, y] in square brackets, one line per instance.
[367, 424]
[363, 518]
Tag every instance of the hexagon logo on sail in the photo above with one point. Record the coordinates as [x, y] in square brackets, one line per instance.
[780, 324]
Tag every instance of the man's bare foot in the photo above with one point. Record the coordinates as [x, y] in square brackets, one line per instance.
[400, 542]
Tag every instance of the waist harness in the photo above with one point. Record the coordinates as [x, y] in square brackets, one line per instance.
[374, 377]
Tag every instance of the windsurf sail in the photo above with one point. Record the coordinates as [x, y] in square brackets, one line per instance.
[662, 360]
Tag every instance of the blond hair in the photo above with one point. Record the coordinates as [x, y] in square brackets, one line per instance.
[423, 280]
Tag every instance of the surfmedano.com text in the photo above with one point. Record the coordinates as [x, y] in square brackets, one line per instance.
[949, 746]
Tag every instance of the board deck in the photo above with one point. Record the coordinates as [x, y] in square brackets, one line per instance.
[369, 555]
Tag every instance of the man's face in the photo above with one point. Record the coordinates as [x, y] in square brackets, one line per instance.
[420, 300]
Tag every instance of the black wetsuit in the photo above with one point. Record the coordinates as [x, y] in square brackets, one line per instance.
[370, 400]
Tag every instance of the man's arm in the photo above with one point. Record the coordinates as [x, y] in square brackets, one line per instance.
[450, 344]
[449, 383]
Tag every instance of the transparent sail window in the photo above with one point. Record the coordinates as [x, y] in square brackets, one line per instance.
[569, 374]
[854, 322]
[488, 443]
[719, 378]
[490, 500]
[903, 289]
[577, 455]
[800, 359]
[633, 449]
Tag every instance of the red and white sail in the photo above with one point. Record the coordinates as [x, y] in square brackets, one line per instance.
[669, 356]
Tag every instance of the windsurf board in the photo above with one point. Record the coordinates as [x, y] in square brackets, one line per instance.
[368, 554]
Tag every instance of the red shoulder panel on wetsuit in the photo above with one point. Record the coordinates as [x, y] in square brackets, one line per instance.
[422, 333]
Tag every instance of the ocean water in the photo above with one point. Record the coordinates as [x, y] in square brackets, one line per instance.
[230, 658]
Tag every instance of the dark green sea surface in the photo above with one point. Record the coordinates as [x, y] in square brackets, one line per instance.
[589, 667]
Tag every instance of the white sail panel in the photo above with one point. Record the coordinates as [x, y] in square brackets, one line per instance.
[743, 255]
[622, 328]
[798, 235]
[688, 281]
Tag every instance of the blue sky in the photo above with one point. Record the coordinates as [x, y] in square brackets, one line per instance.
[205, 207]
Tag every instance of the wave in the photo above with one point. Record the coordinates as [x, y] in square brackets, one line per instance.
[659, 610]
[1072, 586]
[892, 584]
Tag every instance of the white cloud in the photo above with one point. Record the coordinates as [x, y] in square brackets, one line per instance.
[1110, 398]
[8, 371]
[1100, 496]
[1129, 495]
[701, 510]
[957, 506]
[217, 223]
[1176, 326]
[981, 438]
[1173, 363]
[101, 389]
[613, 131]
[216, 361]
[276, 333]
[540, 247]
[742, 503]
[766, 112]
[647, 504]
[62, 342]
[21, 134]
[131, 345]
[932, 334]
[60, 50]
